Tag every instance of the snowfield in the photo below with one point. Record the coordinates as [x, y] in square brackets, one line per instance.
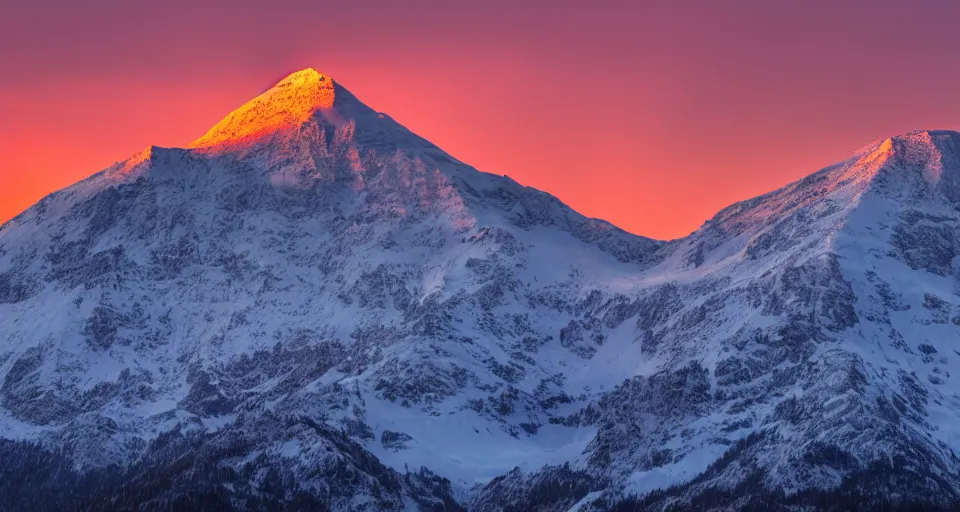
[312, 306]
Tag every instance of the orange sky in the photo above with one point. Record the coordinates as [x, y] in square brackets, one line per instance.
[652, 115]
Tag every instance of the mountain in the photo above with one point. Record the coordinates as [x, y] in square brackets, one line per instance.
[312, 308]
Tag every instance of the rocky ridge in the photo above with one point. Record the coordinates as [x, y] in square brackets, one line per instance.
[312, 307]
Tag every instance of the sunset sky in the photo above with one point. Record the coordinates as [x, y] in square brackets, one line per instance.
[652, 115]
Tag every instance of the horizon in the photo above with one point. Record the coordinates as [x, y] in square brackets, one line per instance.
[300, 72]
[636, 140]
[450, 257]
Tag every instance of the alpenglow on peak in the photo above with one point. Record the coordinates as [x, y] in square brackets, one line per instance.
[289, 102]
[315, 299]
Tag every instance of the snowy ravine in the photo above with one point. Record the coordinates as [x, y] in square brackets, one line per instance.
[312, 308]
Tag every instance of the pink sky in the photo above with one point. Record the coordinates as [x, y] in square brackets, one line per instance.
[652, 115]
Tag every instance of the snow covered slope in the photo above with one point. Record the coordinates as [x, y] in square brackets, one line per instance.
[311, 303]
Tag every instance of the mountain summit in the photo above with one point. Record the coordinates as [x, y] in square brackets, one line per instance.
[312, 307]
[286, 105]
[934, 154]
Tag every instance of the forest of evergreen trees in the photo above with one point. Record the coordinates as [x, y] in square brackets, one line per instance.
[185, 472]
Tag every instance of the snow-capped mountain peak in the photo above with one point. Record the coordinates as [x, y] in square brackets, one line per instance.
[288, 104]
[310, 300]
[933, 155]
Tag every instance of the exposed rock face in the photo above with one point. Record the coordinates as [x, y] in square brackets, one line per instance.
[311, 303]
